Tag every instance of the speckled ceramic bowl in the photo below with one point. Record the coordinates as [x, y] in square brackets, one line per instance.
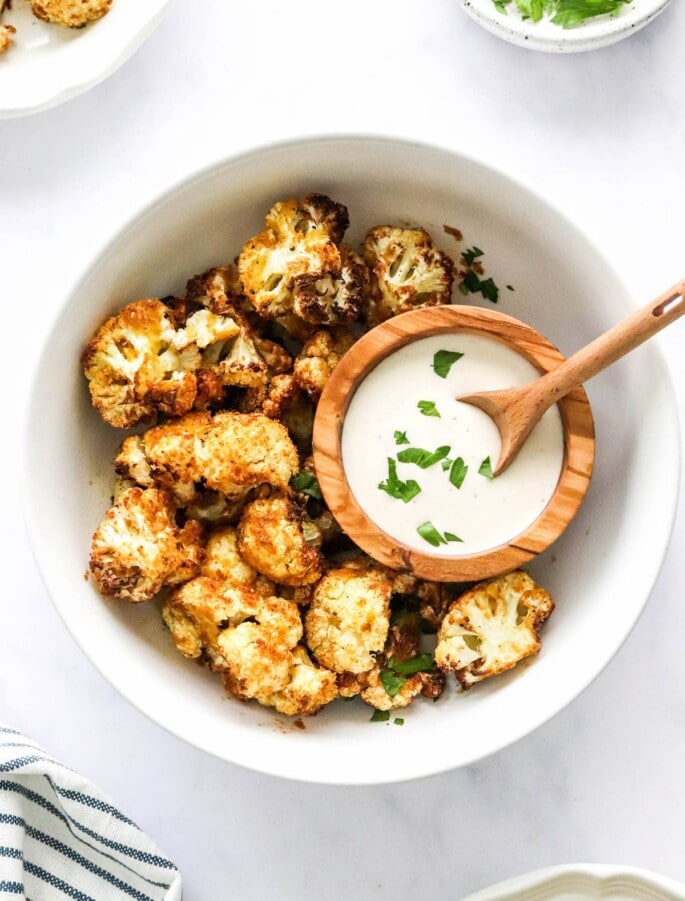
[543, 35]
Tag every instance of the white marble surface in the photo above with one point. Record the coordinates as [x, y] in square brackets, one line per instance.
[603, 136]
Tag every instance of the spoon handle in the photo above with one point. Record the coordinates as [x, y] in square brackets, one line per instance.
[613, 344]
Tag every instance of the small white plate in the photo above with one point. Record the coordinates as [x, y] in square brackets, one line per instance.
[585, 882]
[48, 64]
[543, 35]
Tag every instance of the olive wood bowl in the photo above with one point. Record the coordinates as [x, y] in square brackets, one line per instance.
[368, 352]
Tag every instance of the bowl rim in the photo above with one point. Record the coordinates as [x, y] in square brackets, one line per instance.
[60, 313]
[377, 345]
[589, 36]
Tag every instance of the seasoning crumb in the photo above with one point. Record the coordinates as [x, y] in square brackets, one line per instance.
[299, 723]
[455, 232]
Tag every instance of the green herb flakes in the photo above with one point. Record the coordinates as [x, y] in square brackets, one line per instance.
[392, 683]
[458, 472]
[443, 360]
[428, 408]
[486, 469]
[395, 487]
[422, 663]
[399, 721]
[380, 716]
[306, 483]
[423, 458]
[401, 438]
[471, 254]
[566, 13]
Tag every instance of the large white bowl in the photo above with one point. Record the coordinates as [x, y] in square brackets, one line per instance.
[600, 572]
[49, 63]
[585, 882]
[543, 35]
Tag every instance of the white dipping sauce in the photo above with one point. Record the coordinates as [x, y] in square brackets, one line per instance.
[484, 513]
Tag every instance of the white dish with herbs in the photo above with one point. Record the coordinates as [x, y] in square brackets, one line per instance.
[548, 275]
[563, 26]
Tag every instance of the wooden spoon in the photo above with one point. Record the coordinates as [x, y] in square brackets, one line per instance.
[515, 411]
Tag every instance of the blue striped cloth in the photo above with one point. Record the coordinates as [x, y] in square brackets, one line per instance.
[60, 837]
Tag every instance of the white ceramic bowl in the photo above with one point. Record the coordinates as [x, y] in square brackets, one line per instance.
[49, 63]
[543, 35]
[585, 882]
[563, 287]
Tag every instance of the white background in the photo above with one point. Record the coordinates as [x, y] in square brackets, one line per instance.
[602, 135]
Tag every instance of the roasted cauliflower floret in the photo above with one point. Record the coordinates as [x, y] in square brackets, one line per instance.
[138, 549]
[347, 622]
[275, 539]
[402, 672]
[143, 360]
[131, 462]
[319, 357]
[310, 688]
[332, 298]
[223, 561]
[300, 239]
[73, 13]
[229, 452]
[491, 627]
[217, 289]
[407, 271]
[242, 634]
[7, 32]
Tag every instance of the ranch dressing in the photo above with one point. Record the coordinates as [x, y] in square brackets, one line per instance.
[484, 512]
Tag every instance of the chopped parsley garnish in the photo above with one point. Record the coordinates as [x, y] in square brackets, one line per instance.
[489, 290]
[567, 13]
[471, 254]
[428, 408]
[392, 683]
[394, 673]
[395, 487]
[423, 458]
[458, 472]
[486, 469]
[422, 663]
[398, 721]
[401, 438]
[443, 360]
[430, 534]
[380, 716]
[306, 483]
[446, 464]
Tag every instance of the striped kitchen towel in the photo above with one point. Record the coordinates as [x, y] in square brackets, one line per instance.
[60, 837]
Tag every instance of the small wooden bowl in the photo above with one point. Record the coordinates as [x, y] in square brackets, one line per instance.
[363, 356]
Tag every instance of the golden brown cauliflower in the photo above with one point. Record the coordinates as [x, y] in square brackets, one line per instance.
[7, 32]
[275, 539]
[301, 239]
[73, 13]
[407, 271]
[242, 634]
[310, 688]
[138, 549]
[491, 627]
[140, 363]
[332, 298]
[347, 622]
[223, 561]
[229, 453]
[401, 672]
[217, 289]
[319, 357]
